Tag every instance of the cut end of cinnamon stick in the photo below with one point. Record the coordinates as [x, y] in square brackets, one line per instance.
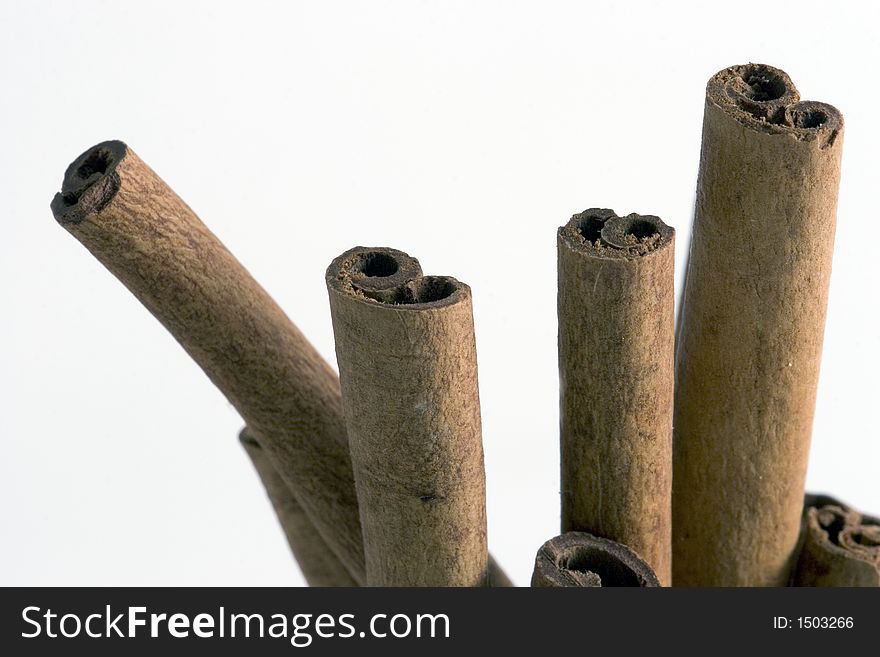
[764, 98]
[599, 232]
[90, 182]
[579, 559]
[388, 276]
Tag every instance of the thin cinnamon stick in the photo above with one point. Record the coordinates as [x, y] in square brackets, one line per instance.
[616, 328]
[839, 546]
[318, 563]
[579, 559]
[407, 364]
[751, 328]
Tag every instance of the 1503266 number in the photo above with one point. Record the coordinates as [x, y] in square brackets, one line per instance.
[825, 622]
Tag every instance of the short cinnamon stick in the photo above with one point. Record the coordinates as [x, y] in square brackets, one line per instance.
[578, 559]
[318, 563]
[751, 328]
[407, 364]
[839, 546]
[616, 328]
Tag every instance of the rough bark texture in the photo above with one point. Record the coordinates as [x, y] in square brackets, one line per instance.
[616, 330]
[751, 328]
[839, 546]
[580, 559]
[134, 224]
[407, 364]
[318, 563]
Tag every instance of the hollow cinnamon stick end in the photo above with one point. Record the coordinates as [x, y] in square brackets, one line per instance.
[764, 98]
[599, 232]
[90, 182]
[387, 276]
[578, 559]
[838, 546]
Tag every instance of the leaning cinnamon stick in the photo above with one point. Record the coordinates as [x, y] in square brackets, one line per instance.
[616, 323]
[839, 546]
[131, 221]
[319, 564]
[407, 365]
[752, 321]
[580, 559]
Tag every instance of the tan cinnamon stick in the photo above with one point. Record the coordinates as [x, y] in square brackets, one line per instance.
[752, 321]
[580, 559]
[407, 364]
[839, 546]
[132, 222]
[319, 564]
[616, 327]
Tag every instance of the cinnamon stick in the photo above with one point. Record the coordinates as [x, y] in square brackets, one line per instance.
[616, 328]
[407, 364]
[578, 559]
[319, 564]
[132, 222]
[839, 546]
[751, 328]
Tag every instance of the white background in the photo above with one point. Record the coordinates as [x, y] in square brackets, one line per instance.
[461, 132]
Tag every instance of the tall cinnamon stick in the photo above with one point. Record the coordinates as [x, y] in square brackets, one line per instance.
[407, 364]
[752, 321]
[839, 546]
[132, 222]
[616, 324]
[318, 563]
[578, 559]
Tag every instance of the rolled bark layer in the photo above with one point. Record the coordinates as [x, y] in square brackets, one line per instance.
[407, 364]
[577, 559]
[839, 546]
[751, 328]
[319, 564]
[616, 344]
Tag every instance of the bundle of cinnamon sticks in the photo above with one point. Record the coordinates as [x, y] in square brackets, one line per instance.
[377, 475]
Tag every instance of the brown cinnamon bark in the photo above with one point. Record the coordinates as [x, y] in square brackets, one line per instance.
[839, 546]
[407, 364]
[131, 221]
[580, 559]
[751, 328]
[616, 330]
[134, 224]
[319, 564]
